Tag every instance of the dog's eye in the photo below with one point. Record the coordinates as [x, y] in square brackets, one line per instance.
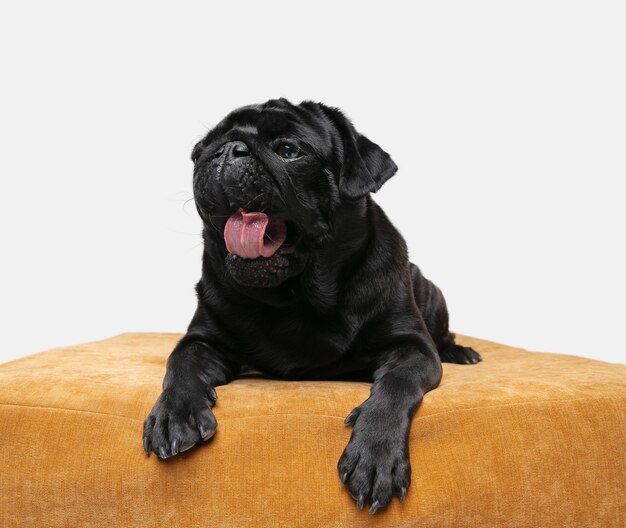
[288, 152]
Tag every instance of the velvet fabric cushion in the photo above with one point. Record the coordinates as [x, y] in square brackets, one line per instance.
[521, 439]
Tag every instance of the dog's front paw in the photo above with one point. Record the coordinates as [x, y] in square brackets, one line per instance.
[460, 354]
[179, 420]
[375, 464]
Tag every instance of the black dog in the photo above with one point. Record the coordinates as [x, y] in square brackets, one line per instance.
[304, 277]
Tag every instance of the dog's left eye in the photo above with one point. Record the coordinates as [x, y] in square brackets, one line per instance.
[288, 152]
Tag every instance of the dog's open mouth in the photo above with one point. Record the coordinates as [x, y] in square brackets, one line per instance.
[250, 235]
[258, 252]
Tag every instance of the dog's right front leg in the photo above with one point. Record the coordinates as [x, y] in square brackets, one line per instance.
[182, 415]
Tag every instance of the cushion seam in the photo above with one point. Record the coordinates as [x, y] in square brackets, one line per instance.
[417, 417]
[49, 408]
[519, 404]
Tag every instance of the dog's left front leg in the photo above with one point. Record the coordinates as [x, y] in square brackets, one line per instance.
[375, 464]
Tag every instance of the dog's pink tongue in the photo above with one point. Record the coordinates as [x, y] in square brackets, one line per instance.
[252, 235]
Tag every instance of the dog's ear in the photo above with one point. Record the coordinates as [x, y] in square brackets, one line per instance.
[197, 151]
[366, 166]
[368, 169]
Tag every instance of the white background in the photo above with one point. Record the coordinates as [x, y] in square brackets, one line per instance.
[507, 120]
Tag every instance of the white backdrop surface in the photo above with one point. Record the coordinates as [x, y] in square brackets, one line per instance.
[507, 120]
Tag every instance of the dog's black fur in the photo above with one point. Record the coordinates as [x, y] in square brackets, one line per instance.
[339, 299]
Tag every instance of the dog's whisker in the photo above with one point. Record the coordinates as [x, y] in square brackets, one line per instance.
[184, 206]
[213, 225]
[255, 198]
[188, 234]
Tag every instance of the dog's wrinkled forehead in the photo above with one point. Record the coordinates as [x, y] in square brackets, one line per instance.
[278, 119]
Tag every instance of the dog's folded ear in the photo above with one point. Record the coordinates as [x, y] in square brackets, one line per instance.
[366, 166]
[196, 152]
[368, 169]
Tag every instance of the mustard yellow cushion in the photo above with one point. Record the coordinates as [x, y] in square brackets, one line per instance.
[521, 439]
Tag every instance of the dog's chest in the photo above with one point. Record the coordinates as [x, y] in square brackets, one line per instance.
[297, 342]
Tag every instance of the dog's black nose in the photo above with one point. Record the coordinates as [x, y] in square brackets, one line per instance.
[234, 149]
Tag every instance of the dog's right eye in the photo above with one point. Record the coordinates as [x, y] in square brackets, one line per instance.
[288, 152]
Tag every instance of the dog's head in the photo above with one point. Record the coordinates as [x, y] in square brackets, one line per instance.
[270, 179]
